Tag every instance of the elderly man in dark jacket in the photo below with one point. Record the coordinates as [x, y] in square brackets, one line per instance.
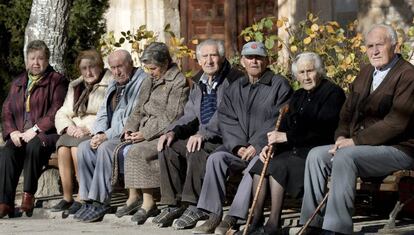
[28, 127]
[191, 139]
[249, 110]
[374, 136]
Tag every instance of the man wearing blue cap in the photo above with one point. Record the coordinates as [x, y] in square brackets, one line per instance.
[248, 111]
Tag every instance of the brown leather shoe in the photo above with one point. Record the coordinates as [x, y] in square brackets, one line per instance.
[6, 210]
[27, 203]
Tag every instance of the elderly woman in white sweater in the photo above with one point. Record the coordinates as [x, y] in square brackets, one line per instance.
[75, 118]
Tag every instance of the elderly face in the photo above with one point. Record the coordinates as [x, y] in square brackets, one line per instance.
[89, 70]
[307, 75]
[379, 49]
[255, 65]
[155, 71]
[37, 62]
[209, 59]
[120, 67]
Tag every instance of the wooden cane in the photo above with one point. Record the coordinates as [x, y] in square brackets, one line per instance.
[269, 152]
[306, 225]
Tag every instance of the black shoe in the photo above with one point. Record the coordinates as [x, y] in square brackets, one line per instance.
[127, 210]
[327, 232]
[167, 216]
[313, 231]
[74, 208]
[62, 205]
[142, 215]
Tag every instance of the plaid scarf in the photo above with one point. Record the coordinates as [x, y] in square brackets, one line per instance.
[31, 83]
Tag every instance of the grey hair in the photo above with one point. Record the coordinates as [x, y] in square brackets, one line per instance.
[214, 42]
[392, 34]
[36, 45]
[309, 56]
[156, 53]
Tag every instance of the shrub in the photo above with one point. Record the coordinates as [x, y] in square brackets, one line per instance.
[340, 48]
[142, 37]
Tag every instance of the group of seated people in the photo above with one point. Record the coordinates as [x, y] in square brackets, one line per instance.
[147, 128]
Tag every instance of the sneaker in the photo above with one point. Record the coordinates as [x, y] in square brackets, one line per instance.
[127, 210]
[189, 219]
[224, 226]
[209, 226]
[168, 215]
[62, 205]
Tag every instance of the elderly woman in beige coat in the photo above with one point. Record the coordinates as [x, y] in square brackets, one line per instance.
[75, 118]
[160, 102]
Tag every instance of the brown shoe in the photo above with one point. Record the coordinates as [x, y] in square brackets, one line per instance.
[209, 226]
[6, 210]
[225, 225]
[27, 203]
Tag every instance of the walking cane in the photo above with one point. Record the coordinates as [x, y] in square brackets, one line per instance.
[269, 152]
[306, 225]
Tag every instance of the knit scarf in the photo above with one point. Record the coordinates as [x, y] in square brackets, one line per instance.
[31, 83]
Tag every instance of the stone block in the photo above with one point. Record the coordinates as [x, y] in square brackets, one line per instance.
[49, 184]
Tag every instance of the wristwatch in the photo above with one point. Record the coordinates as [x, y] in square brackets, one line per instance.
[36, 129]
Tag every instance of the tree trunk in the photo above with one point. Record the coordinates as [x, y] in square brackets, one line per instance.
[48, 22]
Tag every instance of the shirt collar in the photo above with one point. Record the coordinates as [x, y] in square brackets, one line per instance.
[389, 65]
[265, 79]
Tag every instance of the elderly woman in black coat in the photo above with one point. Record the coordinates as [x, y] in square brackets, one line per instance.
[311, 121]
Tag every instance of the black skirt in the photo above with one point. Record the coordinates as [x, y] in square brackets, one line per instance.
[287, 168]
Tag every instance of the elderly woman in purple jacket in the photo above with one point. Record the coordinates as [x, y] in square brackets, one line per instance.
[28, 127]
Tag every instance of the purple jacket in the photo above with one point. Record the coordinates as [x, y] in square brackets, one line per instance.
[46, 99]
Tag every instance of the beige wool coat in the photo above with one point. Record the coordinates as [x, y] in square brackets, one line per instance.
[65, 116]
[160, 102]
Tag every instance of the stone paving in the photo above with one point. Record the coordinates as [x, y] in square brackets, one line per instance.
[45, 222]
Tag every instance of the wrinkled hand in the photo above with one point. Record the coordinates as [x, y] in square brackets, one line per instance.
[134, 137]
[28, 135]
[77, 132]
[276, 137]
[263, 153]
[15, 137]
[341, 142]
[97, 140]
[249, 153]
[241, 151]
[70, 130]
[81, 132]
[194, 143]
[167, 137]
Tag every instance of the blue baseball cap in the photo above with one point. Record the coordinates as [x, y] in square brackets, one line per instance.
[254, 48]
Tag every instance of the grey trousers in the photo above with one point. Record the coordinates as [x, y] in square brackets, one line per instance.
[213, 191]
[95, 170]
[241, 203]
[344, 168]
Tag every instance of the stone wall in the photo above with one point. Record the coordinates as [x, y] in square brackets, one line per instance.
[124, 15]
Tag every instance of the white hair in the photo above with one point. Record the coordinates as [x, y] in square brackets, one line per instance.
[392, 34]
[309, 56]
[218, 43]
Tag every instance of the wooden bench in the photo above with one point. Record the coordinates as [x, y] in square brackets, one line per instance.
[391, 183]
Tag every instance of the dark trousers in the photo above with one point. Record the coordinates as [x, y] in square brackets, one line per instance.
[182, 173]
[30, 158]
